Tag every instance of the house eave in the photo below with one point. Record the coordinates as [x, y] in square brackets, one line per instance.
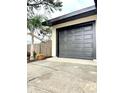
[74, 15]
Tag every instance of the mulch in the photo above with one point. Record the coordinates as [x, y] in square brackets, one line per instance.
[29, 61]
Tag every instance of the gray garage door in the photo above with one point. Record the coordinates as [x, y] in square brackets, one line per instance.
[77, 42]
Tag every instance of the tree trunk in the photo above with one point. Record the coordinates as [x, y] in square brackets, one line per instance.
[32, 48]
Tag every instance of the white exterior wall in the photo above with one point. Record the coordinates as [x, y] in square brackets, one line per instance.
[73, 22]
[54, 42]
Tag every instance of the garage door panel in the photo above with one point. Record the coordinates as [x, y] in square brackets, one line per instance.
[75, 47]
[79, 37]
[88, 45]
[88, 28]
[78, 33]
[88, 49]
[79, 41]
[88, 41]
[89, 36]
[70, 39]
[76, 43]
[88, 32]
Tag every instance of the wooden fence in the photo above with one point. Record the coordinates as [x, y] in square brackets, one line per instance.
[44, 48]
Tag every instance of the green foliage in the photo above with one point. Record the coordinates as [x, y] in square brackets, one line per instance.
[47, 5]
[34, 54]
[35, 22]
[38, 23]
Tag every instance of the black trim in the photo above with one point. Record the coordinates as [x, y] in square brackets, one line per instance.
[57, 43]
[75, 26]
[74, 15]
[95, 1]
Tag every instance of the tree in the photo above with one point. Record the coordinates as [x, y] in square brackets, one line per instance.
[47, 5]
[35, 22]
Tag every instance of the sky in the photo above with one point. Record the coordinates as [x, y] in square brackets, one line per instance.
[68, 6]
[72, 5]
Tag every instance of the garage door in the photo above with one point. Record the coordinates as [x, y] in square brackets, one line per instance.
[77, 41]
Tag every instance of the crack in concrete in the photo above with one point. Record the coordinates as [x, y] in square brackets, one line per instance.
[54, 69]
[32, 79]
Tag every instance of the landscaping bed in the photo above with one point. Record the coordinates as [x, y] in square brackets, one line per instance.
[37, 57]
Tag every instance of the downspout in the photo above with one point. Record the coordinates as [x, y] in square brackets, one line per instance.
[95, 1]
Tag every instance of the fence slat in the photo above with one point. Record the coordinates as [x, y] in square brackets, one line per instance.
[44, 48]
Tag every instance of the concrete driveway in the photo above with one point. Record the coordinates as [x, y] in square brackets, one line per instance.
[51, 76]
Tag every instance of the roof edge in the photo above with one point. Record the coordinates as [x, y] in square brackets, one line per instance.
[74, 15]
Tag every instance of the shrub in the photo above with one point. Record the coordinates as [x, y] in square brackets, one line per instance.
[34, 54]
[40, 56]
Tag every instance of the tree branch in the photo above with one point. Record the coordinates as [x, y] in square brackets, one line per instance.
[28, 4]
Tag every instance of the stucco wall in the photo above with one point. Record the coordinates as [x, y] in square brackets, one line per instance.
[73, 22]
